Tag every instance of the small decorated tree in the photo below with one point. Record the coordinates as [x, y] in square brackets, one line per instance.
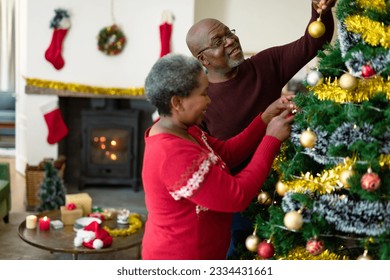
[52, 191]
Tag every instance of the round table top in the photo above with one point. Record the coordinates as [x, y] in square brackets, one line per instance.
[62, 240]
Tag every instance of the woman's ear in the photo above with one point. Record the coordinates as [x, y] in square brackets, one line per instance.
[176, 103]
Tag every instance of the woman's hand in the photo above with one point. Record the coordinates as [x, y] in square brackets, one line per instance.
[277, 107]
[280, 126]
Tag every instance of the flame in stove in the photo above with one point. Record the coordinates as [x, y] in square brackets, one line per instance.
[113, 157]
[108, 147]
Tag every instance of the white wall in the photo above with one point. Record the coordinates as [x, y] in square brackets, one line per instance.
[139, 21]
[259, 23]
[84, 63]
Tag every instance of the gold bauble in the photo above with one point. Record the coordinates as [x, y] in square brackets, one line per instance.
[252, 242]
[264, 199]
[281, 188]
[364, 257]
[344, 176]
[308, 139]
[316, 28]
[348, 82]
[293, 220]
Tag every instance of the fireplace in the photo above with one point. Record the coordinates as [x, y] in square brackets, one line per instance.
[110, 147]
[114, 119]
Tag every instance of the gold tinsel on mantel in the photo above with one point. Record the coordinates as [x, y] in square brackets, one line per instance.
[79, 90]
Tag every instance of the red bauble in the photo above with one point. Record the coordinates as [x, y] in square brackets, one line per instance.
[370, 181]
[315, 246]
[367, 71]
[266, 250]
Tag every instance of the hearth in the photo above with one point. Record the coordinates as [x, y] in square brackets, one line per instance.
[110, 147]
[95, 122]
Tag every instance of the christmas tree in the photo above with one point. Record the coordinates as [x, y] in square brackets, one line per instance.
[52, 191]
[328, 195]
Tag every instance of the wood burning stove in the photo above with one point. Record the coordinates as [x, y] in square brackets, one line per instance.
[110, 147]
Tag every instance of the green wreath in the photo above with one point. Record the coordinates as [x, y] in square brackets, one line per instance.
[111, 40]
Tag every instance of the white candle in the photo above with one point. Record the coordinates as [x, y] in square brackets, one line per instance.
[31, 222]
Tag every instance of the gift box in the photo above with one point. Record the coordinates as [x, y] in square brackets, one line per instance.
[81, 200]
[68, 217]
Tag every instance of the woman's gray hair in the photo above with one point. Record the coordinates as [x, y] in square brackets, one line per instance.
[172, 75]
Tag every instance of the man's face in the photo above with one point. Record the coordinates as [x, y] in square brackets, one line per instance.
[220, 49]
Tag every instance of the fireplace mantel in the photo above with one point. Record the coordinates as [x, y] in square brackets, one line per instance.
[65, 89]
[68, 93]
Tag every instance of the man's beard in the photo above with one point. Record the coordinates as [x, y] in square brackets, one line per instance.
[235, 62]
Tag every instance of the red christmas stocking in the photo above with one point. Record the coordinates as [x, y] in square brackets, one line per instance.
[165, 37]
[60, 24]
[54, 53]
[55, 123]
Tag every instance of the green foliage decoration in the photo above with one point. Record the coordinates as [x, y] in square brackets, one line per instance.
[52, 191]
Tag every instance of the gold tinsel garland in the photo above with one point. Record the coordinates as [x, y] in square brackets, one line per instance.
[300, 253]
[135, 223]
[374, 33]
[323, 183]
[281, 157]
[80, 88]
[366, 89]
[329, 180]
[378, 5]
[384, 161]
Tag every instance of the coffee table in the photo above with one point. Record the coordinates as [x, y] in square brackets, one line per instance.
[61, 240]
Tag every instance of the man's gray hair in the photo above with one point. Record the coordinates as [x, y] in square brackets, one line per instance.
[172, 75]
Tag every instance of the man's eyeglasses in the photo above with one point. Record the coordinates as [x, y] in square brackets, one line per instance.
[219, 41]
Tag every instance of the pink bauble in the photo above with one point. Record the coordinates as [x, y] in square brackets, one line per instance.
[266, 250]
[315, 246]
[370, 181]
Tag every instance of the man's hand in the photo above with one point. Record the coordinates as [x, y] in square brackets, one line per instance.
[322, 6]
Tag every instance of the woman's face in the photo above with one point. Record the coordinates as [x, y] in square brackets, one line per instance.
[196, 103]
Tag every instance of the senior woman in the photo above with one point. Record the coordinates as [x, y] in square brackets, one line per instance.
[190, 194]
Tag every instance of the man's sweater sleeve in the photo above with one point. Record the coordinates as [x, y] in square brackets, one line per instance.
[285, 61]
